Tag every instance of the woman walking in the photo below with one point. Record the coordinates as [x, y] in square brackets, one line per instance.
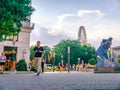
[2, 62]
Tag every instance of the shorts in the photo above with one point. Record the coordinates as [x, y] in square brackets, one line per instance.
[2, 63]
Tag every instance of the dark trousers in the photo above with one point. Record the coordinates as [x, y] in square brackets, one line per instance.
[42, 66]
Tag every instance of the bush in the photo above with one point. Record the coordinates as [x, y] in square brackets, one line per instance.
[92, 61]
[21, 65]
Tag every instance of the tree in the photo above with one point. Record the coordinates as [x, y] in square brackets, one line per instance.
[84, 52]
[31, 51]
[46, 54]
[88, 52]
[12, 14]
[92, 61]
[118, 59]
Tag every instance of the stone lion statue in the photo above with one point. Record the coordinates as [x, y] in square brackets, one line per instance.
[102, 53]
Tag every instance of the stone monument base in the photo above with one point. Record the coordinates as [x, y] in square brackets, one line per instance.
[106, 66]
[107, 70]
[117, 69]
[104, 70]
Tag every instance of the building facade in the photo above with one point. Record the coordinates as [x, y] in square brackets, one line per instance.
[19, 43]
[115, 52]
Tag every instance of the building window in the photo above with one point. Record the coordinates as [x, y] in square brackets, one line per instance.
[10, 38]
[8, 51]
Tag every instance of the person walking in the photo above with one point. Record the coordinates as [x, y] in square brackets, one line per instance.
[2, 62]
[74, 67]
[78, 67]
[38, 51]
[42, 64]
[66, 67]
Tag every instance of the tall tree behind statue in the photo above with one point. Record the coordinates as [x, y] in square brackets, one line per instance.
[12, 14]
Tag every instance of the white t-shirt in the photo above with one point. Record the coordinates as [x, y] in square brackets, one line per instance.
[2, 58]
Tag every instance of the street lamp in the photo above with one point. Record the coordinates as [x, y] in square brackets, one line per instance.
[82, 62]
[53, 61]
[78, 60]
[68, 58]
[62, 59]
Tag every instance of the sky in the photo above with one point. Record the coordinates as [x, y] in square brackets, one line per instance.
[56, 20]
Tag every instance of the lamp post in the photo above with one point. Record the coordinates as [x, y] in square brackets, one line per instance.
[68, 58]
[78, 60]
[53, 61]
[82, 62]
[62, 59]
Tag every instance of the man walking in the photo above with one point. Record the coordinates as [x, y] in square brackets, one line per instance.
[39, 51]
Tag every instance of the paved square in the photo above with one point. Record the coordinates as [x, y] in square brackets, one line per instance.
[61, 81]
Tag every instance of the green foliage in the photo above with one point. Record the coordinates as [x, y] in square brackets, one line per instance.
[47, 52]
[109, 53]
[118, 59]
[21, 65]
[31, 51]
[12, 14]
[87, 52]
[92, 61]
[84, 52]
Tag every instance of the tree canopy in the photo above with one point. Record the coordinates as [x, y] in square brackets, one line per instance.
[84, 52]
[12, 14]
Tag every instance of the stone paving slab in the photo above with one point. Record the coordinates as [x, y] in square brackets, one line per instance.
[60, 81]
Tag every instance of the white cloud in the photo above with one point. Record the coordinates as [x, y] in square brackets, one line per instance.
[69, 23]
[56, 29]
[104, 29]
[45, 37]
[89, 12]
[62, 17]
[67, 26]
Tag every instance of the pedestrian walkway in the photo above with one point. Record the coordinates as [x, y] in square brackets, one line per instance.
[31, 72]
[60, 81]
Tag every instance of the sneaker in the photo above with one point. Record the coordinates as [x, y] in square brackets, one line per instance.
[38, 73]
[1, 72]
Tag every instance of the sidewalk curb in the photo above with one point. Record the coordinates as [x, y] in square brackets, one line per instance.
[18, 72]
